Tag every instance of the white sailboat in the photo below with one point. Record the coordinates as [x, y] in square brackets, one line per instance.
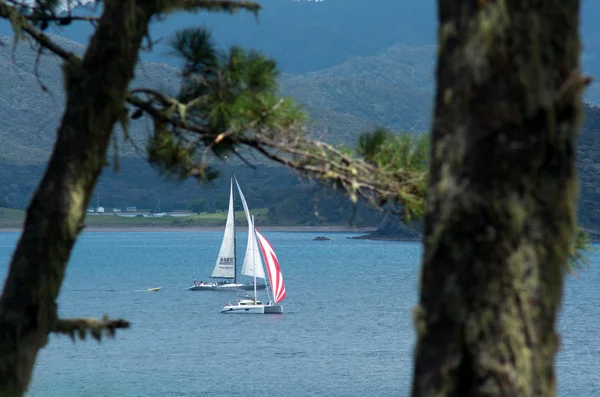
[252, 305]
[225, 268]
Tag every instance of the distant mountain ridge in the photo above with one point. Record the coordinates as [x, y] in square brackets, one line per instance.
[302, 36]
[306, 36]
[344, 101]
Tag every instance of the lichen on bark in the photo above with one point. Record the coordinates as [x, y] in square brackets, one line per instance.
[500, 212]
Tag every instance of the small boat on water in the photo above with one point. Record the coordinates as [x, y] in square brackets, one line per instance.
[155, 289]
[253, 305]
[226, 266]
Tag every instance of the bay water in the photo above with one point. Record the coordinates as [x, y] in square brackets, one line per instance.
[347, 329]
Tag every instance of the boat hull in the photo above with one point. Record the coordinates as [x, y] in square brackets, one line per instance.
[225, 287]
[250, 287]
[253, 309]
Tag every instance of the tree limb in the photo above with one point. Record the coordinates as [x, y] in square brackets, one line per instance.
[81, 327]
[312, 158]
[20, 24]
[62, 20]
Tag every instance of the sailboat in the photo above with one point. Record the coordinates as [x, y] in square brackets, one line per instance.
[226, 266]
[252, 305]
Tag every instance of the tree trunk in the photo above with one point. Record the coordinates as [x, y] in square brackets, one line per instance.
[502, 195]
[96, 87]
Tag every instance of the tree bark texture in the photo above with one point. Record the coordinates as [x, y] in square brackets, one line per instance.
[502, 195]
[96, 87]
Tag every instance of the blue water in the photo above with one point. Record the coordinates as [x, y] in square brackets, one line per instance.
[347, 328]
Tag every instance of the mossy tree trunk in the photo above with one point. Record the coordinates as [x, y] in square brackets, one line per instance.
[501, 202]
[96, 87]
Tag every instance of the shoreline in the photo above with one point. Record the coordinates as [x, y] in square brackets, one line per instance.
[332, 229]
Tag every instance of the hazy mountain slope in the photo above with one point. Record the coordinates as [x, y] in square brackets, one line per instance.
[392, 88]
[306, 36]
[356, 99]
[30, 116]
[302, 36]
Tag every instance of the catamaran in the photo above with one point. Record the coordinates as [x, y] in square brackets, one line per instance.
[252, 305]
[225, 268]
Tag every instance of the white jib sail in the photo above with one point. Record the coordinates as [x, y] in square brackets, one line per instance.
[252, 259]
[225, 267]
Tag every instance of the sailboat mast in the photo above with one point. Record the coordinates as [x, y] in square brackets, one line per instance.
[251, 230]
[234, 250]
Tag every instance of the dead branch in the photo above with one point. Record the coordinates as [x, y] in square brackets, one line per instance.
[21, 24]
[62, 20]
[81, 327]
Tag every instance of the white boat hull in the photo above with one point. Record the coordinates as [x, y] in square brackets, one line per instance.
[253, 309]
[225, 287]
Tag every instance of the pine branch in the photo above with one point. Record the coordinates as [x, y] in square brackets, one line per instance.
[62, 20]
[81, 327]
[286, 146]
[20, 24]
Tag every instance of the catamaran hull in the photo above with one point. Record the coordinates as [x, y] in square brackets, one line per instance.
[201, 288]
[225, 287]
[253, 309]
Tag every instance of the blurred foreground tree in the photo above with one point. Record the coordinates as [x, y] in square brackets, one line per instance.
[500, 216]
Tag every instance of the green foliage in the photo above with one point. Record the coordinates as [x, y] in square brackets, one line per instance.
[391, 151]
[371, 143]
[198, 205]
[224, 93]
[580, 247]
[175, 157]
[396, 155]
[196, 48]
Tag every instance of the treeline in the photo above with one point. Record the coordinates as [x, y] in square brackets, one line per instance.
[290, 201]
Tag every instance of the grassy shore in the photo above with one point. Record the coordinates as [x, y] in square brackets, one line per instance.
[12, 220]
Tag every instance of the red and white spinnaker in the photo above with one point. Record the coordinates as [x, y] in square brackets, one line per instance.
[277, 285]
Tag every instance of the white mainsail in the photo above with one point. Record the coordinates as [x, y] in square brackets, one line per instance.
[252, 259]
[225, 267]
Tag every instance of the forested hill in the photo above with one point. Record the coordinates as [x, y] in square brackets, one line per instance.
[393, 88]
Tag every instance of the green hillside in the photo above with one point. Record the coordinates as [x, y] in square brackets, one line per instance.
[393, 88]
[11, 218]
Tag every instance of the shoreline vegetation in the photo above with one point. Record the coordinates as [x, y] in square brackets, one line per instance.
[332, 229]
[11, 220]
